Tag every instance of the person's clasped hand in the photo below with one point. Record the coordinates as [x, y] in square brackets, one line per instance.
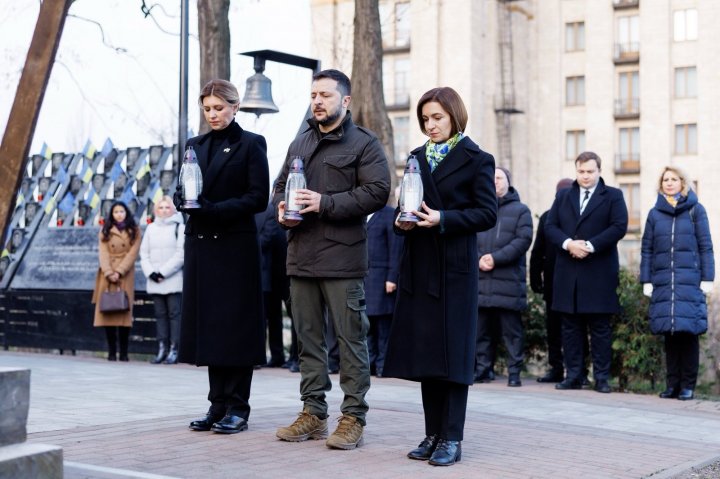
[706, 286]
[647, 289]
[156, 277]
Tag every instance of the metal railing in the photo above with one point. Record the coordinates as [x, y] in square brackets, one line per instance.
[627, 107]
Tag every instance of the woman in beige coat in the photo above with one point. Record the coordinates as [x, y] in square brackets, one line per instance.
[119, 243]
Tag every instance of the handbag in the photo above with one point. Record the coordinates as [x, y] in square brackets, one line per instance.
[114, 301]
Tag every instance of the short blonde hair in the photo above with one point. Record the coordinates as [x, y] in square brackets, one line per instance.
[169, 201]
[681, 174]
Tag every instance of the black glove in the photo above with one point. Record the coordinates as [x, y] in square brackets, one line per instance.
[155, 276]
[160, 277]
[205, 208]
[537, 286]
[178, 199]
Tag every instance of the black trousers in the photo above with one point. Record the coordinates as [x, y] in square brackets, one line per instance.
[511, 327]
[273, 318]
[553, 328]
[111, 333]
[377, 340]
[230, 390]
[575, 329]
[444, 404]
[682, 353]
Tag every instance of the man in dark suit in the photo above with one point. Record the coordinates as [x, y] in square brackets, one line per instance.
[542, 265]
[585, 223]
[384, 250]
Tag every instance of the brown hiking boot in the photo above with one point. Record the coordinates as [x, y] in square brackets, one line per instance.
[348, 435]
[305, 427]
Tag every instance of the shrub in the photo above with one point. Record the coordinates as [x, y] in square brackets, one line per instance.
[637, 353]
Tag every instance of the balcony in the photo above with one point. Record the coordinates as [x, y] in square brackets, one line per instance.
[627, 108]
[626, 163]
[626, 53]
[621, 4]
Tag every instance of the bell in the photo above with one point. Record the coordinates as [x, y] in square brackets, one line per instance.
[258, 92]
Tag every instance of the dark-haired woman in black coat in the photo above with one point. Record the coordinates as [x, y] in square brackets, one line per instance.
[432, 339]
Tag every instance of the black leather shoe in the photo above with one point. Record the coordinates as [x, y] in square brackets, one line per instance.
[686, 395]
[275, 363]
[446, 453]
[485, 377]
[670, 393]
[514, 381]
[568, 384]
[602, 386]
[205, 423]
[585, 381]
[424, 449]
[230, 425]
[551, 377]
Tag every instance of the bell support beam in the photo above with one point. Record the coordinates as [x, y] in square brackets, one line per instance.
[28, 100]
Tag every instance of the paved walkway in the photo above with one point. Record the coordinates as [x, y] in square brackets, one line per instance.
[129, 420]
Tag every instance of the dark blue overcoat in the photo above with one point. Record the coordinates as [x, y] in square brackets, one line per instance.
[384, 250]
[588, 285]
[676, 255]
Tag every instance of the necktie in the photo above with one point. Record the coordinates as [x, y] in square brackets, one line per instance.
[584, 201]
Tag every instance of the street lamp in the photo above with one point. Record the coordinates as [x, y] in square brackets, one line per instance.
[258, 94]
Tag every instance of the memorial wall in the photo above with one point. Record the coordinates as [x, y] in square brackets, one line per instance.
[49, 262]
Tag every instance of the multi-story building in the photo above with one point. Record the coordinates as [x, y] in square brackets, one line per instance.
[633, 80]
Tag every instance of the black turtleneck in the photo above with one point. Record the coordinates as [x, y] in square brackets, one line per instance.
[217, 137]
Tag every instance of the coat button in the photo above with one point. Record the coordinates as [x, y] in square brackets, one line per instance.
[215, 237]
[200, 236]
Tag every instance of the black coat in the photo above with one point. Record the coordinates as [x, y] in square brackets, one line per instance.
[384, 250]
[505, 285]
[222, 319]
[591, 282]
[273, 247]
[542, 262]
[435, 320]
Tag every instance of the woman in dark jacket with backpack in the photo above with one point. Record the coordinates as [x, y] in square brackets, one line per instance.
[677, 269]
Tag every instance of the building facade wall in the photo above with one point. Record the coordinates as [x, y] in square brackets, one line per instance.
[632, 126]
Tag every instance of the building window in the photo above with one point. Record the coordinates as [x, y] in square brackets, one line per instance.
[631, 192]
[402, 24]
[686, 139]
[628, 157]
[402, 81]
[575, 37]
[574, 143]
[628, 37]
[574, 91]
[686, 82]
[401, 138]
[395, 24]
[685, 25]
[628, 102]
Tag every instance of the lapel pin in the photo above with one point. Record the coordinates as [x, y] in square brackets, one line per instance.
[227, 150]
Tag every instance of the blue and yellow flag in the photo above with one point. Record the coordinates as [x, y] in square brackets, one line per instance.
[89, 150]
[45, 151]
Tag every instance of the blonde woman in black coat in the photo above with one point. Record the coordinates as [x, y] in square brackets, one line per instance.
[223, 326]
[432, 339]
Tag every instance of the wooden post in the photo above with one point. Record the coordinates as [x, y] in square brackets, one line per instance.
[28, 99]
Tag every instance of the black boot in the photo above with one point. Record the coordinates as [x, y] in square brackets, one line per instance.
[161, 355]
[111, 335]
[172, 356]
[124, 337]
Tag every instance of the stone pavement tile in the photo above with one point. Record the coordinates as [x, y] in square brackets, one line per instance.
[136, 416]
